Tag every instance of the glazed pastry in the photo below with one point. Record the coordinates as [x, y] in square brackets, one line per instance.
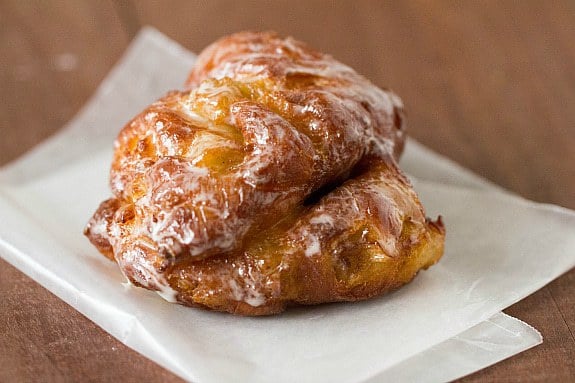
[271, 180]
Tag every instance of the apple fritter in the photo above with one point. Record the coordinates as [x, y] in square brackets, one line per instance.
[271, 180]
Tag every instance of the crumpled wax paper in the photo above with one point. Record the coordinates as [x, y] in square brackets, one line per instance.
[500, 248]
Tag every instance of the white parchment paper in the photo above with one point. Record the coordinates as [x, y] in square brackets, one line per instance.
[500, 248]
[482, 345]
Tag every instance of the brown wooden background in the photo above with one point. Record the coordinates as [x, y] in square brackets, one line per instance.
[490, 84]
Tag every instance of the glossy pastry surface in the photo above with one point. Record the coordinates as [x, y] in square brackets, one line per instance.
[271, 179]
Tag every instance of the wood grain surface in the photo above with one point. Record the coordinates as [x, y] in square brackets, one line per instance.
[489, 84]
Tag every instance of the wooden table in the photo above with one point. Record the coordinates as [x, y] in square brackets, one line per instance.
[489, 84]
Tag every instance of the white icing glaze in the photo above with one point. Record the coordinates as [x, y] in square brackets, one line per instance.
[246, 293]
[312, 244]
[99, 228]
[322, 219]
[146, 275]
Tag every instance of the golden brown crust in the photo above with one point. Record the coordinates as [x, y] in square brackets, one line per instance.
[272, 180]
